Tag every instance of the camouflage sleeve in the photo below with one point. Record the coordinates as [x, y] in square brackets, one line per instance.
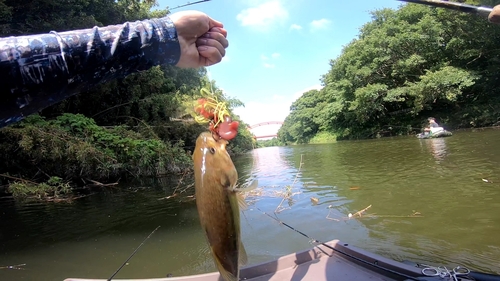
[40, 70]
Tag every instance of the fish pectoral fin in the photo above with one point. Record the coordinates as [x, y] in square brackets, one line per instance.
[251, 186]
[226, 275]
[242, 256]
[239, 196]
[241, 202]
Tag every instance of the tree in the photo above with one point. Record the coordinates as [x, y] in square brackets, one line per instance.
[406, 65]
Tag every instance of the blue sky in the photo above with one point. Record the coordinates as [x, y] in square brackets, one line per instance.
[279, 49]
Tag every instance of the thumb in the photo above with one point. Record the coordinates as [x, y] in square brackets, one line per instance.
[214, 23]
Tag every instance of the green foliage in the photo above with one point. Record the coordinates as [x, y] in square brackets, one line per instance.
[406, 65]
[42, 16]
[323, 137]
[73, 147]
[121, 128]
[269, 143]
[243, 141]
[54, 187]
[301, 125]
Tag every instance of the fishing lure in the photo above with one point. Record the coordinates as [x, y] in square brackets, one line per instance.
[210, 110]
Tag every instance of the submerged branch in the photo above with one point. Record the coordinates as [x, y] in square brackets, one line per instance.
[360, 214]
[288, 194]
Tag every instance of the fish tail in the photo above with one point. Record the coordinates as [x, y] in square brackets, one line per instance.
[226, 275]
[242, 257]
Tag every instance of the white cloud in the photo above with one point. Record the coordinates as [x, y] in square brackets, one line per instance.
[263, 15]
[265, 60]
[319, 24]
[278, 97]
[226, 59]
[276, 109]
[295, 27]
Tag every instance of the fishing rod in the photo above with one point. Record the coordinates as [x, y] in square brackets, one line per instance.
[135, 251]
[17, 266]
[189, 4]
[408, 277]
[466, 8]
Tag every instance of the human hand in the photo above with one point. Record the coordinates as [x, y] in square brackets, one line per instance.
[494, 16]
[202, 39]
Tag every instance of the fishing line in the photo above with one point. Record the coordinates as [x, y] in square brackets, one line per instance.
[189, 4]
[339, 251]
[135, 251]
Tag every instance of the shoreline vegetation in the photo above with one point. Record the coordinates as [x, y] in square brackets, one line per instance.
[405, 65]
[135, 127]
[325, 137]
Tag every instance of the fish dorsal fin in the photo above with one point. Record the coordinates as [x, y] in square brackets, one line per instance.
[242, 258]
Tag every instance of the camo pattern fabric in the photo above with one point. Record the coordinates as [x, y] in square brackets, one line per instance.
[39, 70]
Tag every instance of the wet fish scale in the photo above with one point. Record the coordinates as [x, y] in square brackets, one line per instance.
[215, 179]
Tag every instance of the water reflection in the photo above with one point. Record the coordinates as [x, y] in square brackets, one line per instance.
[437, 147]
[271, 166]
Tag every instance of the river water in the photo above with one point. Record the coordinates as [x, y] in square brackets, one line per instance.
[451, 184]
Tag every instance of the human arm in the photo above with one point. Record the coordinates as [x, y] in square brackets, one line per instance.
[40, 70]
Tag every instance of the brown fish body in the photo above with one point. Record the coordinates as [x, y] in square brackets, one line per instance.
[217, 203]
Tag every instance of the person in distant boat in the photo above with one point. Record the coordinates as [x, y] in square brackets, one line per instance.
[433, 126]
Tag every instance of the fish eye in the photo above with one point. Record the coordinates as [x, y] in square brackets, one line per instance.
[212, 150]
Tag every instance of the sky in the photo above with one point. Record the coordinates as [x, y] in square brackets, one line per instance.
[279, 49]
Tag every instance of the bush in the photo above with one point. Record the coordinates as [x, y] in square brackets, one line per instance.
[74, 147]
[323, 137]
[54, 187]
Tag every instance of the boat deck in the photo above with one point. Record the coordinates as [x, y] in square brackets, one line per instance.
[318, 263]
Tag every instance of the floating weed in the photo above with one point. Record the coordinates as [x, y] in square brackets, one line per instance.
[363, 214]
[288, 194]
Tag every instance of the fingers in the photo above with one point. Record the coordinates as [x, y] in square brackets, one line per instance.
[219, 30]
[494, 16]
[213, 23]
[211, 38]
[209, 55]
[212, 46]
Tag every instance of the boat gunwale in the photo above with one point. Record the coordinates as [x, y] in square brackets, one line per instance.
[333, 249]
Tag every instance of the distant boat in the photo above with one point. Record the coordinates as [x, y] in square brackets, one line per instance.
[437, 132]
[334, 260]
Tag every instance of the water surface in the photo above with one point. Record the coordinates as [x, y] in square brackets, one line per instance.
[453, 183]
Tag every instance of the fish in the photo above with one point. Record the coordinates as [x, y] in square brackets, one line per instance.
[218, 200]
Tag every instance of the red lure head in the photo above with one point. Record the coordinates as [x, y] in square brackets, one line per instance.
[226, 129]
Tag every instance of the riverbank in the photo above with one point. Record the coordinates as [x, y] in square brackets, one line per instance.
[52, 160]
